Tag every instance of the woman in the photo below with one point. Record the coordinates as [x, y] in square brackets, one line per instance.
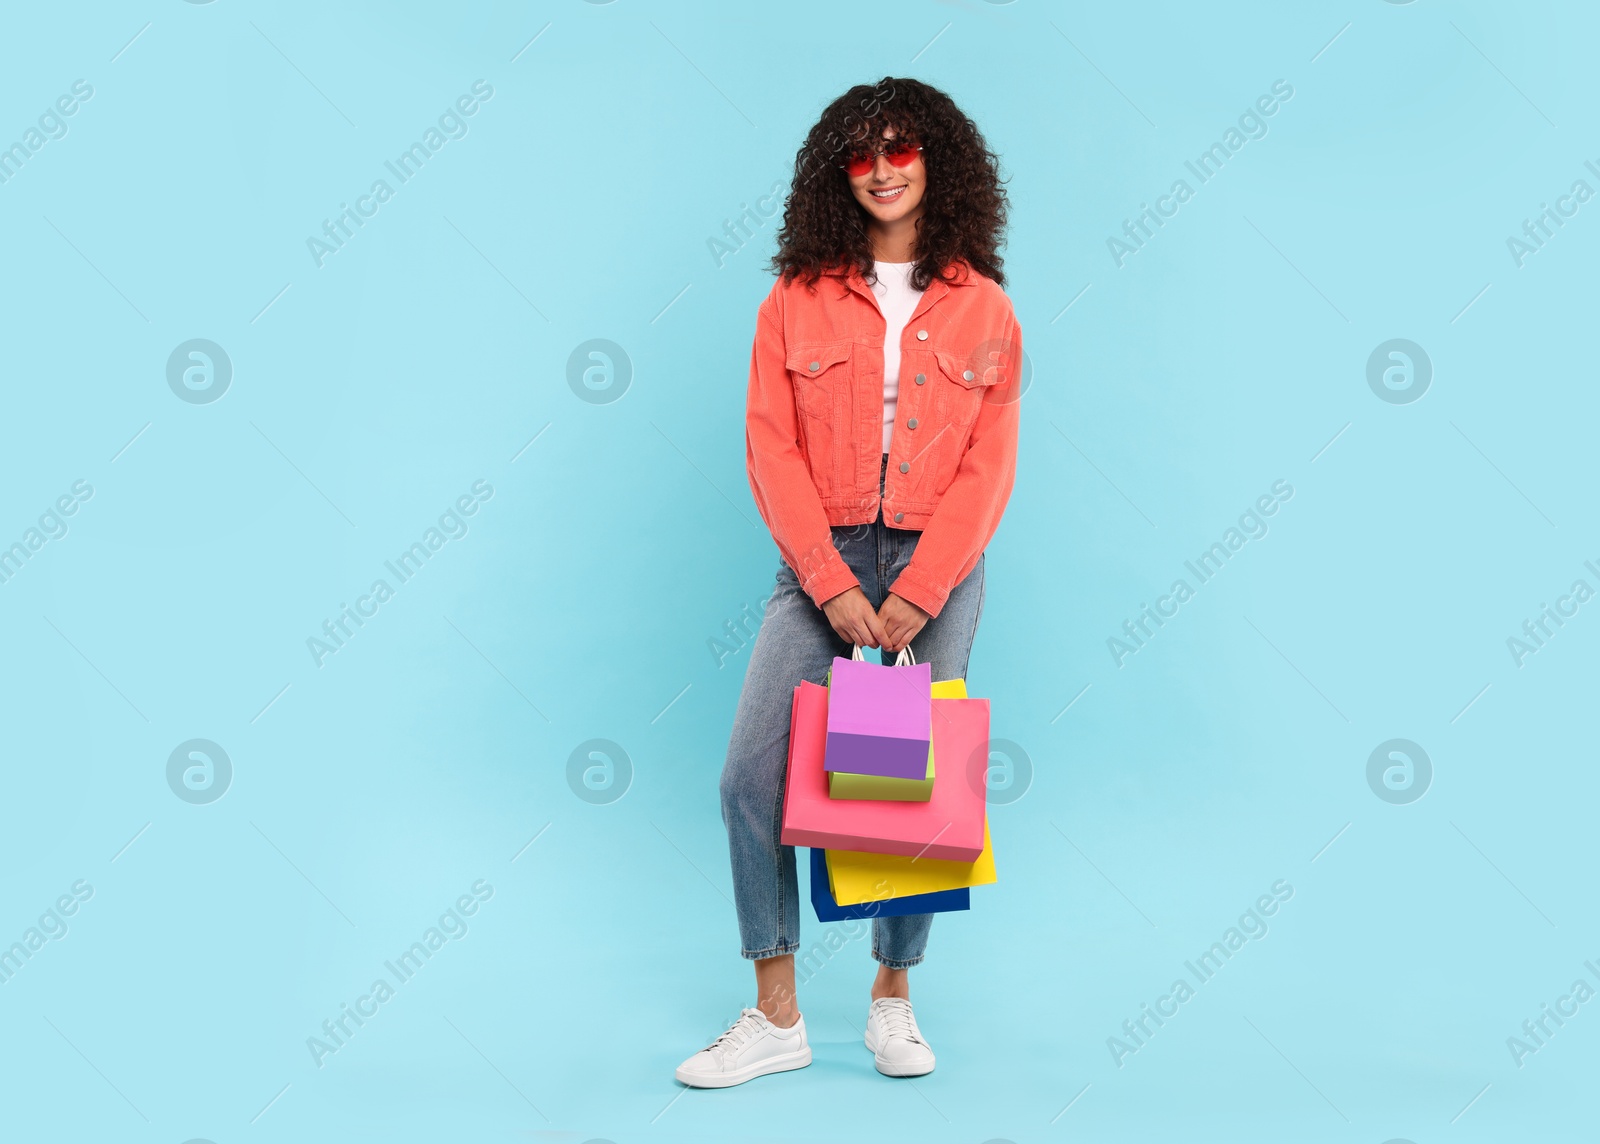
[881, 435]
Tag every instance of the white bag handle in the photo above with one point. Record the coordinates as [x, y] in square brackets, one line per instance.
[906, 658]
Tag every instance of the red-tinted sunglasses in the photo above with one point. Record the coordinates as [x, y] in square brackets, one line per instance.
[898, 154]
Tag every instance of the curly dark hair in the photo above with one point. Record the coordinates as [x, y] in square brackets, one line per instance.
[964, 216]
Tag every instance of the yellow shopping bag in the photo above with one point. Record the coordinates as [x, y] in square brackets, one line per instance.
[856, 876]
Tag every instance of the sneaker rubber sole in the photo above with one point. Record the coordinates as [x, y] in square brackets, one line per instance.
[888, 1068]
[798, 1059]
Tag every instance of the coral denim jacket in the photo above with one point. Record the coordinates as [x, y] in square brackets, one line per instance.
[814, 426]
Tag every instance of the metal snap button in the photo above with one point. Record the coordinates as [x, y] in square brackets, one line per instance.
[899, 516]
[922, 378]
[816, 365]
[905, 466]
[966, 376]
[912, 424]
[922, 335]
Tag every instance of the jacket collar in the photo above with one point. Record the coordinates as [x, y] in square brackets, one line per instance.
[958, 273]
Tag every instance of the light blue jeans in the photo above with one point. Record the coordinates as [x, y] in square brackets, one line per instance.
[796, 642]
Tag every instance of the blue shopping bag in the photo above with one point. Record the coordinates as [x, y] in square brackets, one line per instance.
[944, 901]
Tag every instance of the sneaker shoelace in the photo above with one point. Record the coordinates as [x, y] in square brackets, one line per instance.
[737, 1034]
[894, 1015]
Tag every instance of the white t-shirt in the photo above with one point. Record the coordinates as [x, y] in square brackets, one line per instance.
[896, 300]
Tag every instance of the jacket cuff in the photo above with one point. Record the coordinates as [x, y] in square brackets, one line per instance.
[925, 594]
[830, 581]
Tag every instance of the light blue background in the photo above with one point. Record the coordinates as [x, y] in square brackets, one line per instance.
[367, 394]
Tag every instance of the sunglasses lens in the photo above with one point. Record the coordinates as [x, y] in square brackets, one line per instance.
[900, 155]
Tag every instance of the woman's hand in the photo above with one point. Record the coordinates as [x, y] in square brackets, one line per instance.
[852, 617]
[901, 621]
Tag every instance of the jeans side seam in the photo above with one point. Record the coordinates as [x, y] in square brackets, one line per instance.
[977, 614]
[777, 837]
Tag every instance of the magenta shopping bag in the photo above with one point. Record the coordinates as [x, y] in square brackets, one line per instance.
[879, 717]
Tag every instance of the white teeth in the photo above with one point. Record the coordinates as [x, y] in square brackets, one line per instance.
[889, 194]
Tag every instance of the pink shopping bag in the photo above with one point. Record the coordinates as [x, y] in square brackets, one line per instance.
[948, 826]
[878, 717]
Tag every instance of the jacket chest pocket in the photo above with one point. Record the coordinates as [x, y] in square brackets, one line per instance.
[821, 373]
[962, 385]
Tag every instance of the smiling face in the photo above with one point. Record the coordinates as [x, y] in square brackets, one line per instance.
[891, 194]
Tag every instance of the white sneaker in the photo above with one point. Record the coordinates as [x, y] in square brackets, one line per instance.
[896, 1043]
[753, 1046]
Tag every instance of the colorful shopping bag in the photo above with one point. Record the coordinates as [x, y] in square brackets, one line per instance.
[830, 911]
[879, 716]
[857, 876]
[842, 784]
[948, 826]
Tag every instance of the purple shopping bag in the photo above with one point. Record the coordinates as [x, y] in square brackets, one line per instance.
[879, 717]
